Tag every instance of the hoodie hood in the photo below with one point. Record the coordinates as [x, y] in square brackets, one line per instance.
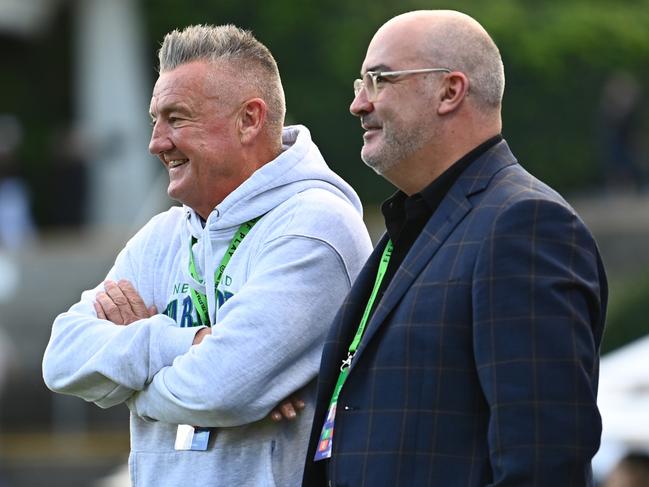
[299, 167]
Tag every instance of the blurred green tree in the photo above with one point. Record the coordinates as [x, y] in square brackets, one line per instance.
[557, 56]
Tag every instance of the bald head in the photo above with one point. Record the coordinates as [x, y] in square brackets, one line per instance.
[431, 91]
[453, 40]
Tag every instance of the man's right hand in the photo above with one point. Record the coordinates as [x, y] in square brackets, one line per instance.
[121, 303]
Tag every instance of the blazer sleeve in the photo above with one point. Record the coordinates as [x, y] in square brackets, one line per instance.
[539, 297]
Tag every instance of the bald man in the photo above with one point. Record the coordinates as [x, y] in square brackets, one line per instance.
[466, 353]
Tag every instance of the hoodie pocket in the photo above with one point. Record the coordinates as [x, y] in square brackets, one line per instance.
[248, 465]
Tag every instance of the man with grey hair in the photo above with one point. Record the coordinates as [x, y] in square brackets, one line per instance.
[248, 274]
[467, 350]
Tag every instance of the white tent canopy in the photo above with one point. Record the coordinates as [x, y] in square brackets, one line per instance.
[623, 400]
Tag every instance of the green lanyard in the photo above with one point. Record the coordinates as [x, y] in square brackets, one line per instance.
[344, 368]
[198, 298]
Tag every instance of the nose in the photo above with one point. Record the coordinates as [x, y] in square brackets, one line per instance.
[160, 141]
[360, 104]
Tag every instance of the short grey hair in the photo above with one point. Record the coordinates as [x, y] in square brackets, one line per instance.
[232, 45]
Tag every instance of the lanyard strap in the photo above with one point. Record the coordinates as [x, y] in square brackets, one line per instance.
[198, 298]
[344, 368]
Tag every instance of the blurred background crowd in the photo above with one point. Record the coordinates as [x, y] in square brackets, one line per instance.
[76, 179]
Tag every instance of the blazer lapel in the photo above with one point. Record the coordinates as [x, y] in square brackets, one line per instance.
[448, 215]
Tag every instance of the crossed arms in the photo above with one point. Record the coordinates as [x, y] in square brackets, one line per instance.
[254, 358]
[121, 304]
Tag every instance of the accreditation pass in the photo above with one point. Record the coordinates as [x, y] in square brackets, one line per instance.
[192, 438]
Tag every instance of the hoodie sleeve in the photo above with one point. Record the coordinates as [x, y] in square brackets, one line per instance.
[105, 363]
[266, 346]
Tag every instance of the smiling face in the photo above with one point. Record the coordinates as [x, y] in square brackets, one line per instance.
[402, 119]
[195, 134]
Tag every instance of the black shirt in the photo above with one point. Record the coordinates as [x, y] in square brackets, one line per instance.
[405, 216]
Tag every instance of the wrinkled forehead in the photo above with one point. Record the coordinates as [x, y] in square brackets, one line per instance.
[396, 45]
[197, 79]
[186, 77]
[169, 83]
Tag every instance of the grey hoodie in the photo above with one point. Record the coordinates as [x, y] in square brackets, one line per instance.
[269, 317]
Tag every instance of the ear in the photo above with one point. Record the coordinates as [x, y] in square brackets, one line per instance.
[454, 89]
[252, 118]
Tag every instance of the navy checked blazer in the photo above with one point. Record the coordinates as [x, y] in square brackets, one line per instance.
[479, 366]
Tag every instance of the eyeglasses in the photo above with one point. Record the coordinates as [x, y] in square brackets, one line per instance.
[372, 81]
